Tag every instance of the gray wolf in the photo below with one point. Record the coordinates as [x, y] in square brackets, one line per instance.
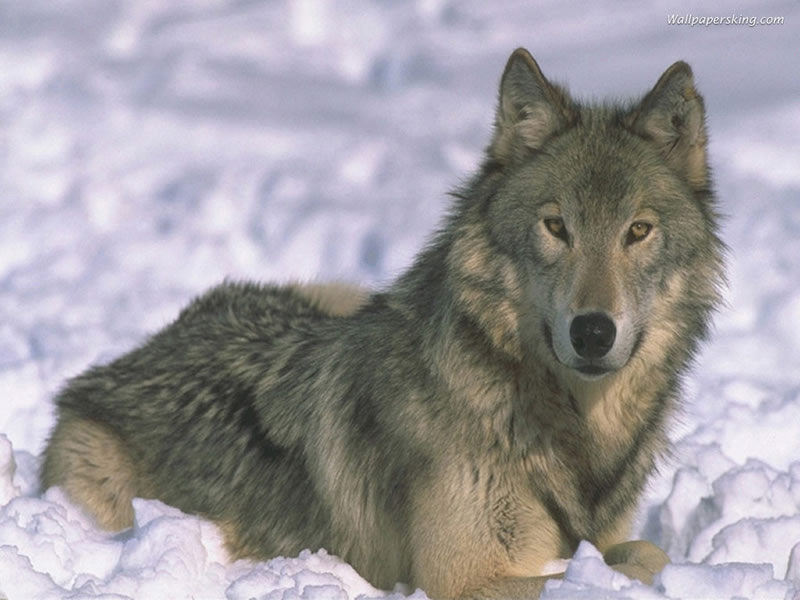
[505, 398]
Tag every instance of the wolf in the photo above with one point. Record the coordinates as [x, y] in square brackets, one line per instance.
[505, 398]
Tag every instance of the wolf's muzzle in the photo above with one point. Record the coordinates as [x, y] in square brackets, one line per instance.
[592, 335]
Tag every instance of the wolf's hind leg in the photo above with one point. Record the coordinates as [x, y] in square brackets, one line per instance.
[335, 298]
[93, 466]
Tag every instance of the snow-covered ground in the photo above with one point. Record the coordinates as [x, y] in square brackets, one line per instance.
[149, 149]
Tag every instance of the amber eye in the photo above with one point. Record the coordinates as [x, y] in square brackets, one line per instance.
[638, 231]
[555, 225]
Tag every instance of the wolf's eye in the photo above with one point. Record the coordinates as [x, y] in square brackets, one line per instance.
[637, 232]
[555, 225]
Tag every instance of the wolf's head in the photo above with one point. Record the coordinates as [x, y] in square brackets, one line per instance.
[606, 214]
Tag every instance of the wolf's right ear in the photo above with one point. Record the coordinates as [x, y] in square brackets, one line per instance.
[530, 110]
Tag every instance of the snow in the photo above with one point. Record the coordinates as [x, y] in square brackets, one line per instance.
[150, 149]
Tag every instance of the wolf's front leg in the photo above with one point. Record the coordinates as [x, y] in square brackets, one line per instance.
[636, 559]
[459, 550]
[508, 588]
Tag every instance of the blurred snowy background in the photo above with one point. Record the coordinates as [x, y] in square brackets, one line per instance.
[149, 149]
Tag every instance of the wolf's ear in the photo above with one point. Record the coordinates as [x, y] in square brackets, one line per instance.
[673, 116]
[530, 110]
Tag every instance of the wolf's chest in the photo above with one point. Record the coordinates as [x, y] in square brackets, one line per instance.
[587, 481]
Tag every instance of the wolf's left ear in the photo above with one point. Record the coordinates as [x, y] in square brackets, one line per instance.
[530, 110]
[673, 116]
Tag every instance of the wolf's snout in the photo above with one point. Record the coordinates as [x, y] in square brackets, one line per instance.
[592, 335]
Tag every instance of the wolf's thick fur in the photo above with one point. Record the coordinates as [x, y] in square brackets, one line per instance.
[506, 398]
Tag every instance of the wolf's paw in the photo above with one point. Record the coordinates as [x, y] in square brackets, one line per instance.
[638, 559]
[633, 571]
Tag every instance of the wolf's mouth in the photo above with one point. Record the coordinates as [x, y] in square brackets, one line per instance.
[592, 370]
[589, 370]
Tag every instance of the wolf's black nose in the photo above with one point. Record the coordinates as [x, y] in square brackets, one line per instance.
[592, 334]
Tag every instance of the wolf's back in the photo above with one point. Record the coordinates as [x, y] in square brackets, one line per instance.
[183, 416]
